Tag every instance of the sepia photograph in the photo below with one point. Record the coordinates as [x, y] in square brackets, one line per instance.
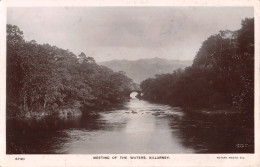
[130, 80]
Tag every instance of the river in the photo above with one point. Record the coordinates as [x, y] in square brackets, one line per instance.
[140, 127]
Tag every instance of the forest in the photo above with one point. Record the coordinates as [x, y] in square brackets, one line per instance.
[47, 80]
[221, 76]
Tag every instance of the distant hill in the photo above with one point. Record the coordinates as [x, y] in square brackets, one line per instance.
[142, 69]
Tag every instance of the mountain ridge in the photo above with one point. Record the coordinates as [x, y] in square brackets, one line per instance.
[142, 69]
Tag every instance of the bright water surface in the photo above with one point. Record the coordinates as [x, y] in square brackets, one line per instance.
[140, 127]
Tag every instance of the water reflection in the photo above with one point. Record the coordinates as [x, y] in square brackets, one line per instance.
[141, 127]
[45, 135]
[215, 134]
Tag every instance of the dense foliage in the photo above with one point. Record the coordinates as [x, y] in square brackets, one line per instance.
[222, 75]
[46, 78]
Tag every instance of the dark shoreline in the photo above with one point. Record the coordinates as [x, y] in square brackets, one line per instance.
[207, 111]
[64, 112]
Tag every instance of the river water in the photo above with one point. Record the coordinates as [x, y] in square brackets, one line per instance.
[140, 127]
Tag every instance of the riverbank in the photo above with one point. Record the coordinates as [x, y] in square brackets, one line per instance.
[213, 111]
[224, 110]
[64, 111]
[46, 113]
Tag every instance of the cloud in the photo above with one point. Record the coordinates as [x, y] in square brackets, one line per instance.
[127, 32]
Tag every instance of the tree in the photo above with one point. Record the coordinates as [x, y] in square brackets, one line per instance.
[47, 78]
[222, 75]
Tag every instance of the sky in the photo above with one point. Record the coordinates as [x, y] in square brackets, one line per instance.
[131, 33]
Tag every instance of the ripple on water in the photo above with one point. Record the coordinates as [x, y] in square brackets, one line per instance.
[141, 127]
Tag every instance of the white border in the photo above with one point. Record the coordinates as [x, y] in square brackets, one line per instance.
[87, 159]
